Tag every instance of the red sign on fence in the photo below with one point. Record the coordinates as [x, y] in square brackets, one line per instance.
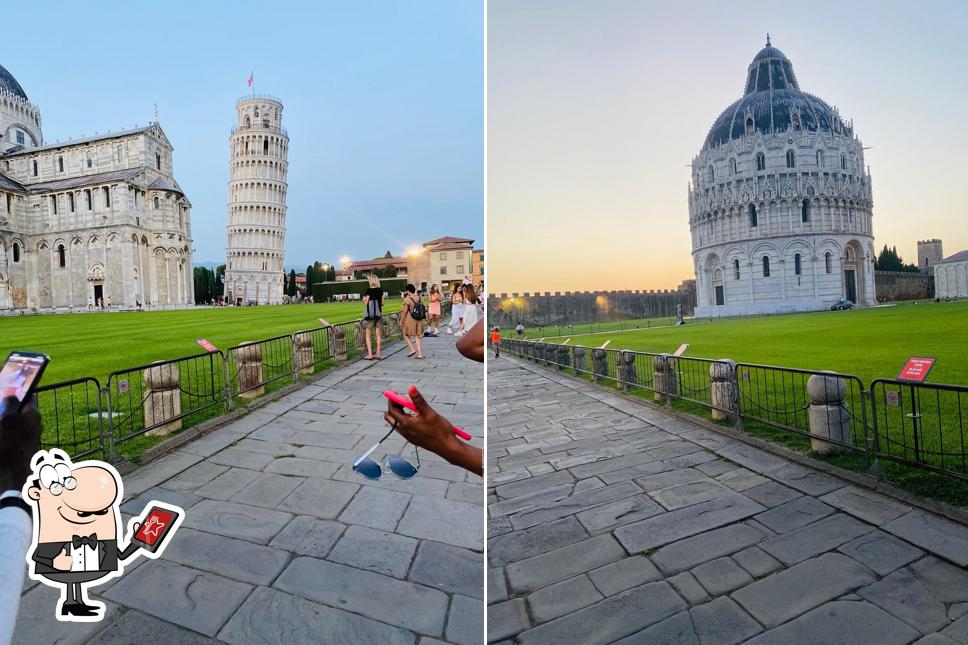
[916, 369]
[207, 346]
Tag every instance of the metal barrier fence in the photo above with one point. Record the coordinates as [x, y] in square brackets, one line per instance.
[921, 425]
[87, 420]
[73, 417]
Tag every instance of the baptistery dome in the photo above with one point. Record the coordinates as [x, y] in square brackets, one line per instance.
[10, 84]
[19, 118]
[774, 102]
[780, 202]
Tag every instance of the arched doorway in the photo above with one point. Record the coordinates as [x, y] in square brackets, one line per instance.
[716, 293]
[853, 272]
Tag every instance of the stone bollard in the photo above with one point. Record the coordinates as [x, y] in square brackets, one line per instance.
[394, 326]
[828, 415]
[337, 343]
[562, 357]
[248, 361]
[626, 368]
[599, 365]
[303, 342]
[163, 399]
[579, 360]
[664, 377]
[722, 388]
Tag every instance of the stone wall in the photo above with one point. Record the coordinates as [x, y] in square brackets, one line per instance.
[506, 310]
[902, 285]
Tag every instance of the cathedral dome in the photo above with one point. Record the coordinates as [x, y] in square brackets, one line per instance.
[10, 84]
[773, 102]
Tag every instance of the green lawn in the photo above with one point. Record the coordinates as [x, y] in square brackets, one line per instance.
[869, 343]
[95, 344]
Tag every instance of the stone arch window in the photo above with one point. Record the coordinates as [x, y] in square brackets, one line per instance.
[736, 269]
[791, 159]
[265, 146]
[760, 161]
[843, 162]
[16, 251]
[753, 217]
[750, 128]
[710, 174]
[828, 262]
[60, 164]
[157, 161]
[256, 111]
[766, 266]
[90, 162]
[265, 123]
[732, 166]
[797, 265]
[820, 158]
[61, 256]
[247, 122]
[805, 210]
[155, 202]
[34, 168]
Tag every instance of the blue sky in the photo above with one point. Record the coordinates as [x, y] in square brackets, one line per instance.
[383, 103]
[596, 110]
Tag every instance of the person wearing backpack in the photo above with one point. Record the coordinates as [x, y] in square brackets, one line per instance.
[414, 315]
[372, 315]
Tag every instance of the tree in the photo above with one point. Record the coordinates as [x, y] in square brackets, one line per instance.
[890, 260]
[291, 290]
[389, 271]
[218, 287]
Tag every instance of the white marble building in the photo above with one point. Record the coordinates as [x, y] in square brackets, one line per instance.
[951, 276]
[256, 231]
[780, 202]
[94, 218]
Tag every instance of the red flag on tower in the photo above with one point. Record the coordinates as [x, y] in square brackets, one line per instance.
[251, 79]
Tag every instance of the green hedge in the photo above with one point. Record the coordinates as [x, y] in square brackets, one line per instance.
[323, 290]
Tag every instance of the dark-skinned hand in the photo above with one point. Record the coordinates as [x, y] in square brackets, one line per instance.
[19, 440]
[432, 432]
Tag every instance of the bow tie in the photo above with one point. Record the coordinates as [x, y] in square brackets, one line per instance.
[90, 540]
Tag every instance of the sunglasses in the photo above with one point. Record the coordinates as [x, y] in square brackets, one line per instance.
[399, 466]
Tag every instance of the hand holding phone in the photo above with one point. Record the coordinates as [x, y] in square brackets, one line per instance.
[158, 524]
[19, 377]
[408, 404]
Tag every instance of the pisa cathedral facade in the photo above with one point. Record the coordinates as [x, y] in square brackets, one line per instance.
[256, 231]
[780, 205]
[97, 218]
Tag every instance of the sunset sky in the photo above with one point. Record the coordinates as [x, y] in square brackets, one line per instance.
[595, 111]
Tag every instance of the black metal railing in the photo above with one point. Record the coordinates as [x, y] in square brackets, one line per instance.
[922, 425]
[73, 417]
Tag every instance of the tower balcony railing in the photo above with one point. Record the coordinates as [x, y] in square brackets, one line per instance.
[264, 97]
[258, 127]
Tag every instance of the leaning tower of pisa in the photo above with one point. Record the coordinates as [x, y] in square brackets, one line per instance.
[256, 231]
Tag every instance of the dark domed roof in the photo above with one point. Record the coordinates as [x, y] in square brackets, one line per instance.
[773, 98]
[9, 83]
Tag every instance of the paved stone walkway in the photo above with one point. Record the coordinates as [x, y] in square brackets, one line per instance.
[610, 521]
[284, 543]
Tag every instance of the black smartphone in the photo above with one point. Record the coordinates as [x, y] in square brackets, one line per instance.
[20, 375]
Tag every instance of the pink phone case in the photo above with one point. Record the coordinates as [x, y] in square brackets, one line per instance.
[408, 404]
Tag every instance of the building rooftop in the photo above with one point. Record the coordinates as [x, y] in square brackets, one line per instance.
[74, 142]
[960, 256]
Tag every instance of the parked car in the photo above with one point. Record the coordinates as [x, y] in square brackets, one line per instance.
[840, 305]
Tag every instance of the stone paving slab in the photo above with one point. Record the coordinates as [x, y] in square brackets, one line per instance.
[283, 542]
[675, 534]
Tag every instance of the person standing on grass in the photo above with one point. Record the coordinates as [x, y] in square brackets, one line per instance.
[413, 315]
[433, 310]
[496, 342]
[456, 309]
[372, 315]
[471, 309]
